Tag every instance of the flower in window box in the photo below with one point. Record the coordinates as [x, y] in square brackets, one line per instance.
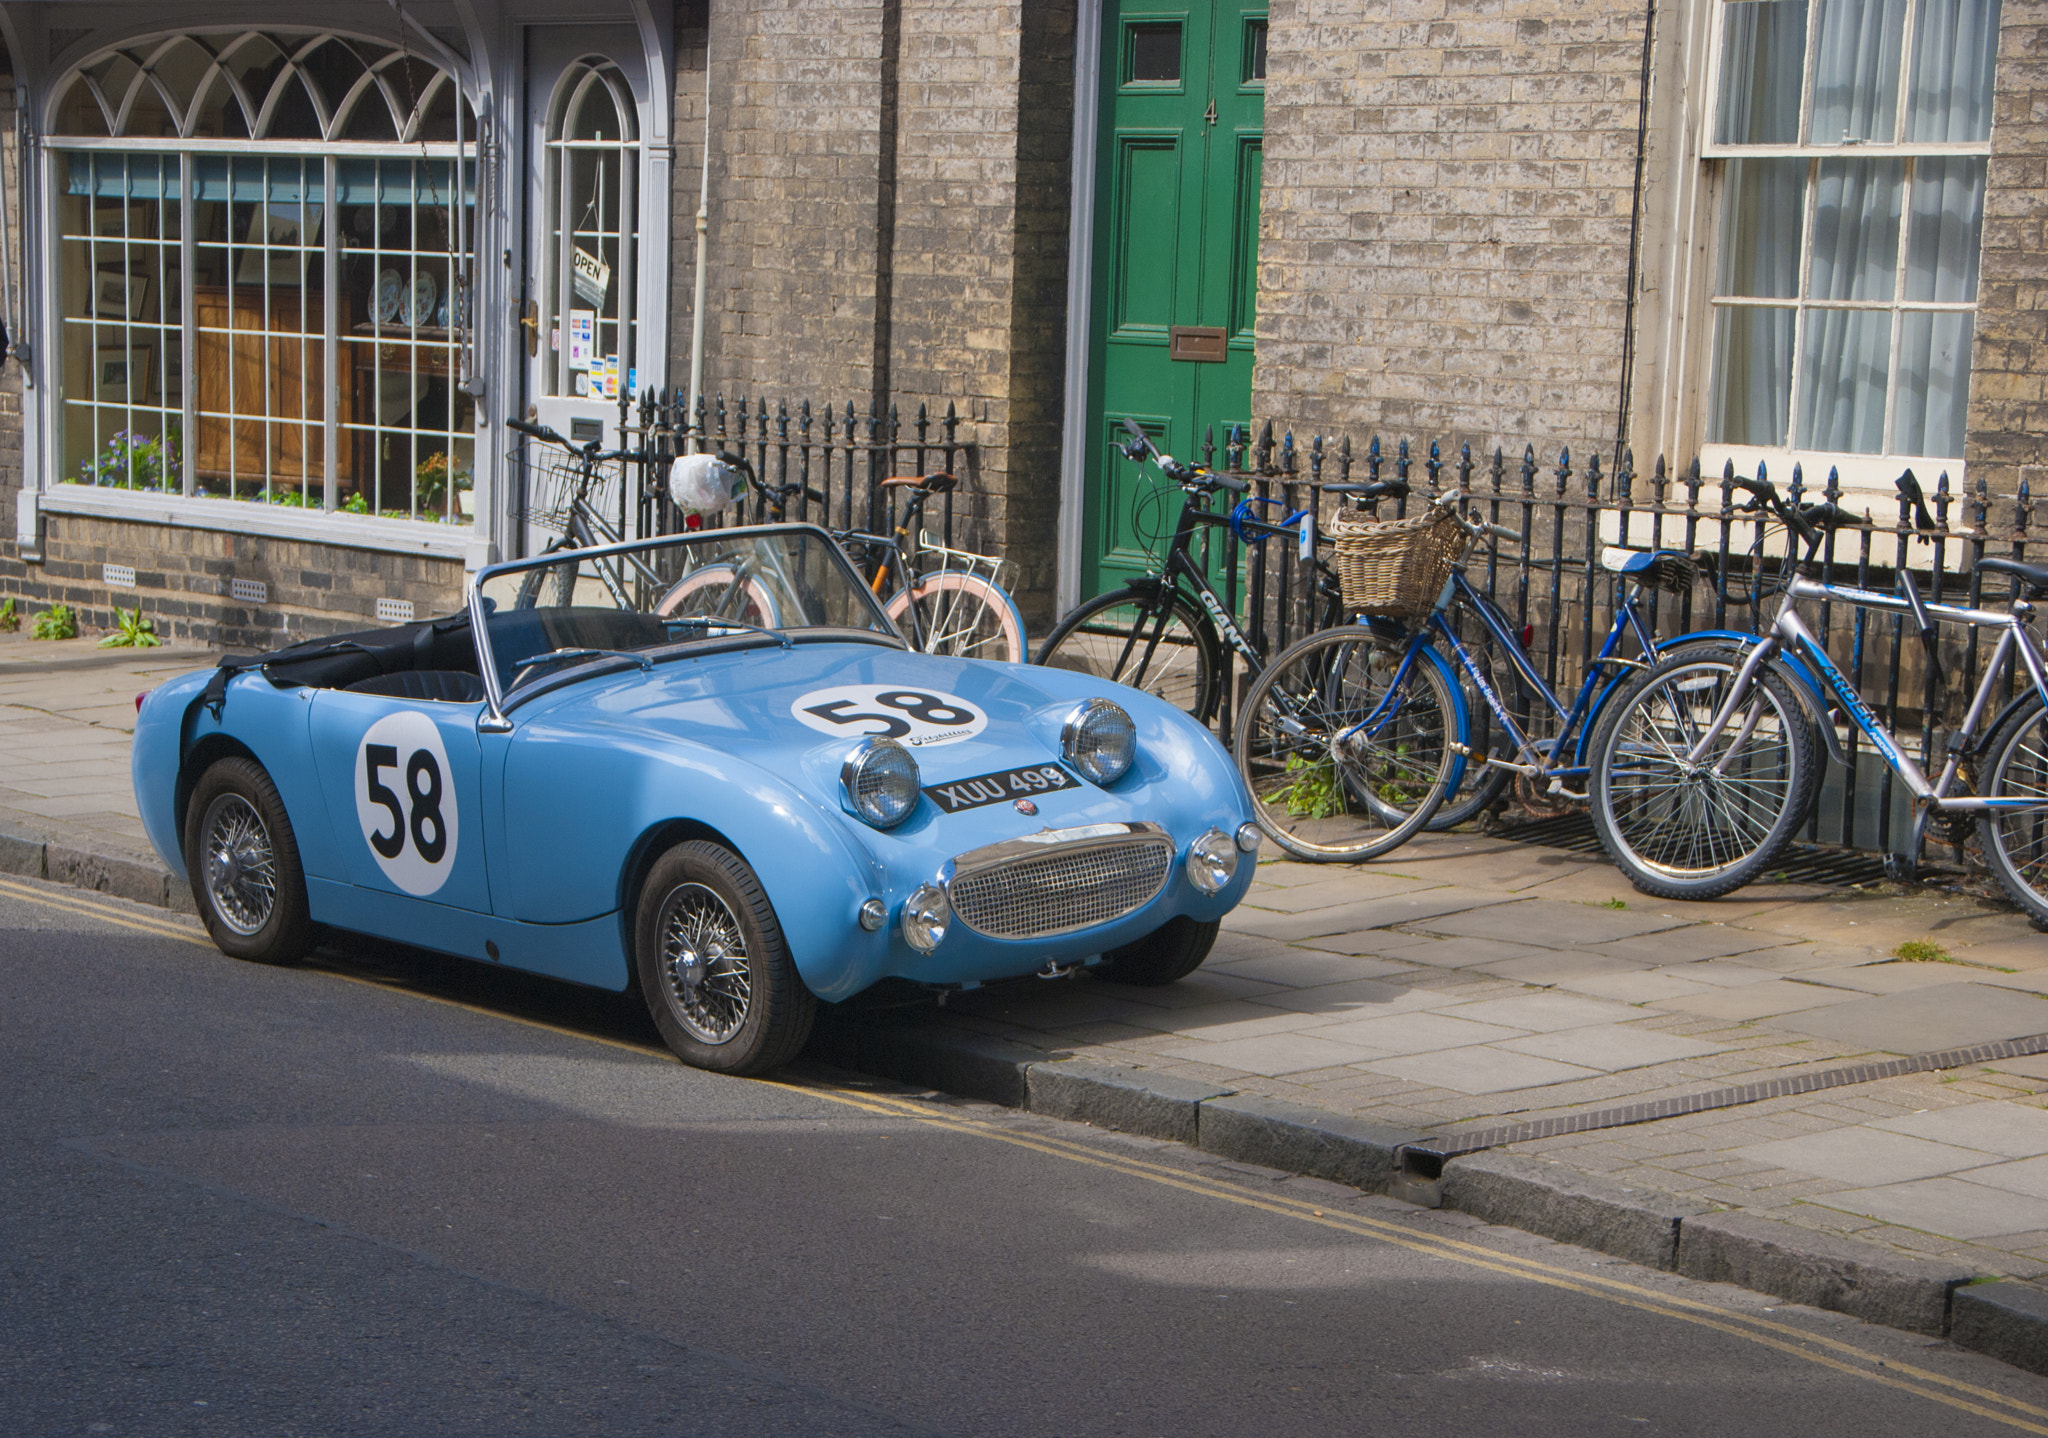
[432, 479]
[136, 461]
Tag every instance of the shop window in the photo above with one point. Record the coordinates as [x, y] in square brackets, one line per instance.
[593, 194]
[1849, 145]
[284, 323]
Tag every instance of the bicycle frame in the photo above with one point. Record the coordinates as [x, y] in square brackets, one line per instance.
[1535, 762]
[1790, 634]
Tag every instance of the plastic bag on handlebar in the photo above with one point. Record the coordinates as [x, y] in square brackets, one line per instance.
[702, 482]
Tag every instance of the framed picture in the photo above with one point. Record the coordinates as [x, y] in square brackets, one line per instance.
[173, 378]
[121, 375]
[277, 235]
[119, 293]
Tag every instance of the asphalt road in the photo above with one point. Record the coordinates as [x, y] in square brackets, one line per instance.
[396, 1195]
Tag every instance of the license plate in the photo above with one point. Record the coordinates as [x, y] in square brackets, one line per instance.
[998, 788]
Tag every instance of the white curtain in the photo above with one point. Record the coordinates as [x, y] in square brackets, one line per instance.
[1954, 52]
[1762, 213]
[1763, 56]
[1857, 48]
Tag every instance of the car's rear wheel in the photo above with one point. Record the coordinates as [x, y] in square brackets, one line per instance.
[713, 965]
[243, 861]
[1172, 951]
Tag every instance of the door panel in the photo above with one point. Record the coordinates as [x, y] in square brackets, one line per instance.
[401, 781]
[1176, 243]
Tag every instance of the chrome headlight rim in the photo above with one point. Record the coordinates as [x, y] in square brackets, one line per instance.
[1211, 862]
[1082, 723]
[862, 763]
[927, 915]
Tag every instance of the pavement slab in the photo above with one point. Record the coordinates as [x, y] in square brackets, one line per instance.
[1864, 1157]
[1547, 922]
[1481, 1070]
[1923, 1020]
[1610, 1047]
[1416, 1033]
[1948, 1206]
[1762, 1001]
[2017, 1130]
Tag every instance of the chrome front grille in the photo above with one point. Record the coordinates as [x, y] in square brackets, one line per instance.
[1061, 881]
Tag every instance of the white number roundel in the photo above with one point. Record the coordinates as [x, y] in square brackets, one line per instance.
[903, 712]
[405, 801]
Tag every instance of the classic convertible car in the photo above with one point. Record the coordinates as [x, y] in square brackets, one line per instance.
[708, 763]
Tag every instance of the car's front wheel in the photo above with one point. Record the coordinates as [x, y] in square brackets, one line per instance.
[1172, 951]
[244, 865]
[713, 965]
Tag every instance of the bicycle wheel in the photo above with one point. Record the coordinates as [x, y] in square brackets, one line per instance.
[711, 591]
[2016, 842]
[1696, 831]
[1124, 636]
[557, 582]
[963, 615]
[1343, 745]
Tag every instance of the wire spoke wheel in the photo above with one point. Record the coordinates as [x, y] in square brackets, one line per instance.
[707, 977]
[1125, 638]
[1686, 827]
[2015, 841]
[1343, 748]
[240, 863]
[962, 615]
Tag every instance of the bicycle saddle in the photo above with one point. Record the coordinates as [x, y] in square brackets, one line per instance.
[931, 483]
[1379, 489]
[2033, 576]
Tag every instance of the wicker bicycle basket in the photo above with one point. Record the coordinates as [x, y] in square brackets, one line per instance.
[1396, 567]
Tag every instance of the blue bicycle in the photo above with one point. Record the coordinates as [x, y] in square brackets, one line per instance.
[1342, 693]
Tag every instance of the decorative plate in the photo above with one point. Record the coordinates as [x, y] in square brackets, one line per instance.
[424, 290]
[390, 296]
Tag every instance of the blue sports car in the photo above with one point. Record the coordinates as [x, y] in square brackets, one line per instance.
[706, 763]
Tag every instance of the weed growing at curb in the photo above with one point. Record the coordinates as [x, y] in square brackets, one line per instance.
[1921, 951]
[134, 632]
[10, 617]
[1614, 903]
[56, 622]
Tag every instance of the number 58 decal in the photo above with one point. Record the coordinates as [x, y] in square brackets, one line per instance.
[405, 801]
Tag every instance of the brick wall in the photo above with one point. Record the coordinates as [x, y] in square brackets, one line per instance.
[183, 581]
[1445, 228]
[886, 219]
[2007, 437]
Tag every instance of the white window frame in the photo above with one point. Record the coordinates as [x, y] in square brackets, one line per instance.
[46, 488]
[1694, 268]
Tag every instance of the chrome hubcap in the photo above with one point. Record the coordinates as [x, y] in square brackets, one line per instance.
[707, 980]
[240, 866]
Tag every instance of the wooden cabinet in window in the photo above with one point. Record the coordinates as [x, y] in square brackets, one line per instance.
[263, 388]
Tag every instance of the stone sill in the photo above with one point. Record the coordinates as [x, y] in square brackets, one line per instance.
[270, 521]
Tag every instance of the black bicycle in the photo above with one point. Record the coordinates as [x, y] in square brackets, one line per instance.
[559, 496]
[1165, 632]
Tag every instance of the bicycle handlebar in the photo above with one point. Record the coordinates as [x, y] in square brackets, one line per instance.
[1190, 476]
[538, 431]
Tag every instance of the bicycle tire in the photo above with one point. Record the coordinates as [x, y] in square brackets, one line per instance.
[963, 615]
[714, 583]
[1306, 755]
[1684, 832]
[2016, 844]
[1181, 662]
[564, 579]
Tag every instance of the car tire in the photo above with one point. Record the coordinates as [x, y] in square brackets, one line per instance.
[713, 965]
[243, 861]
[1172, 951]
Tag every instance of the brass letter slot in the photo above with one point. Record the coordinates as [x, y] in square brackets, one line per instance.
[1198, 344]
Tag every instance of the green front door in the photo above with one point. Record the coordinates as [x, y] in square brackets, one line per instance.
[1176, 258]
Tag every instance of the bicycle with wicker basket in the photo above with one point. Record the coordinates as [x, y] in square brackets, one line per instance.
[1341, 739]
[567, 490]
[1167, 631]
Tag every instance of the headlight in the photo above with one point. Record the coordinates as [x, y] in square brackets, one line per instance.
[1100, 740]
[926, 914]
[1212, 859]
[881, 782]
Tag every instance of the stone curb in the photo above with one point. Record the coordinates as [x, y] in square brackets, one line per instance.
[2006, 1320]
[144, 882]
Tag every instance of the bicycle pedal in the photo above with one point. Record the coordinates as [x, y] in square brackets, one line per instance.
[1901, 868]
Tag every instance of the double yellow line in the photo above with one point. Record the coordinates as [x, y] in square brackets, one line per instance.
[1816, 1348]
